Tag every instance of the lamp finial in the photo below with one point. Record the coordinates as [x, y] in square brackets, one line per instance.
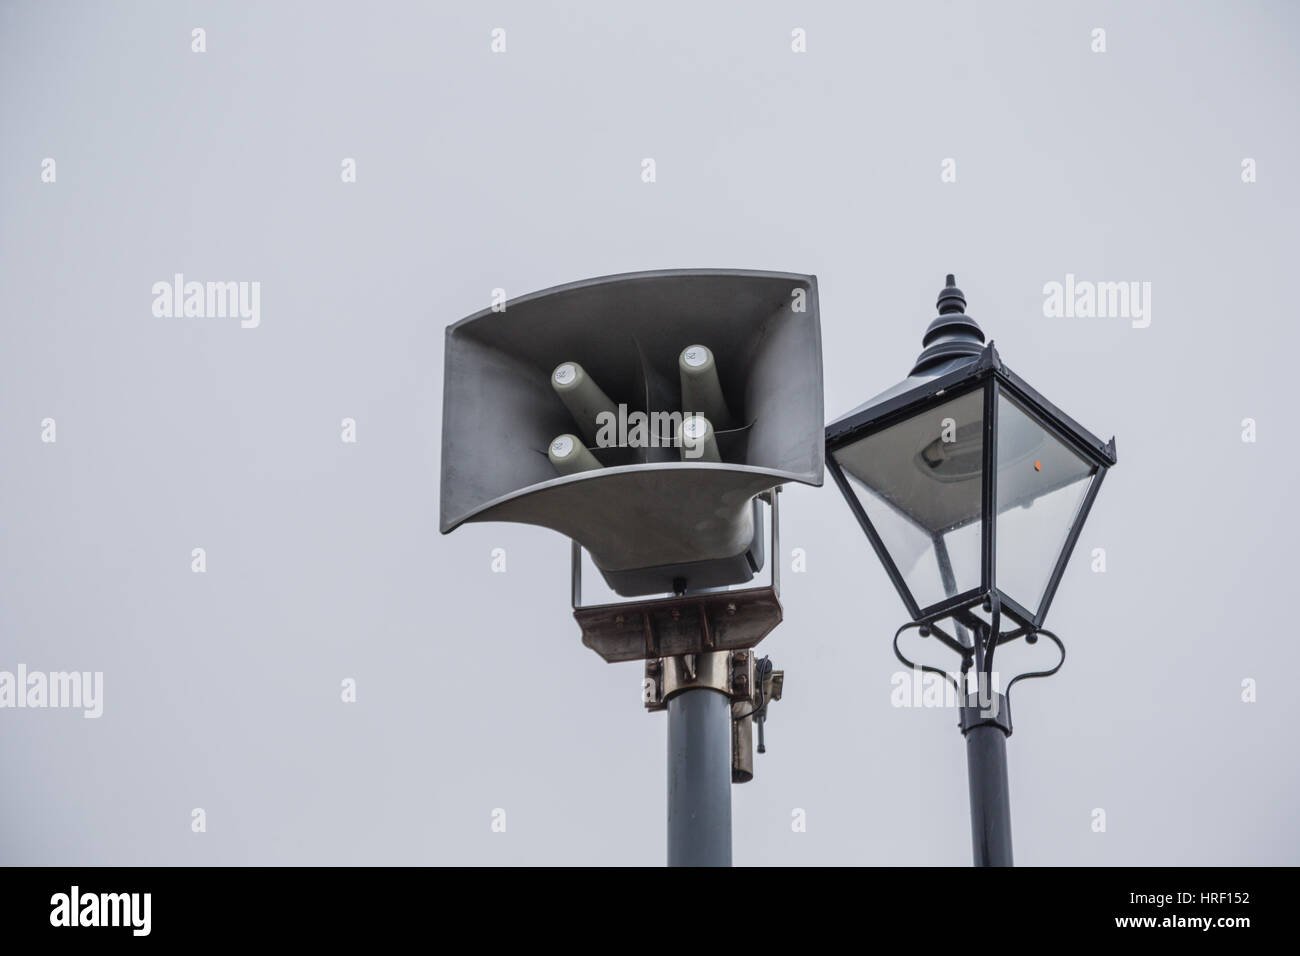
[953, 334]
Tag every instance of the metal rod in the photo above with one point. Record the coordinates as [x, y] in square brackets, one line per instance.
[989, 530]
[949, 584]
[699, 778]
[873, 536]
[990, 798]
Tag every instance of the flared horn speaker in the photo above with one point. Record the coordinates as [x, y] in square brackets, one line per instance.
[566, 410]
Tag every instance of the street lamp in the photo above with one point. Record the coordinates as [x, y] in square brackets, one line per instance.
[972, 488]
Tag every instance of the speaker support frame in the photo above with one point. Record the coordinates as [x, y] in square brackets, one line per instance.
[692, 623]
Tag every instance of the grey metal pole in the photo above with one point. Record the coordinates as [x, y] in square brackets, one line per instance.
[986, 730]
[990, 796]
[986, 725]
[699, 778]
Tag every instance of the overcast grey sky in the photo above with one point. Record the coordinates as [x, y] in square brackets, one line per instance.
[522, 170]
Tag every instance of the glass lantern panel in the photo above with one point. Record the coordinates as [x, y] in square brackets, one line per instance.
[920, 483]
[1041, 484]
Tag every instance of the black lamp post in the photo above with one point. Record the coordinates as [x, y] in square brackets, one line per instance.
[972, 488]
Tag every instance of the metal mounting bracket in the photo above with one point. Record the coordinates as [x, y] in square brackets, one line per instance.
[733, 673]
[694, 623]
